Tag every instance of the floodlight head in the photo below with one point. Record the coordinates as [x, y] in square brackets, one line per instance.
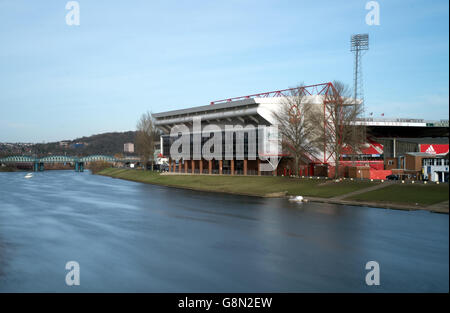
[359, 42]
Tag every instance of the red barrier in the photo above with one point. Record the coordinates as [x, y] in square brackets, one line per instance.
[379, 174]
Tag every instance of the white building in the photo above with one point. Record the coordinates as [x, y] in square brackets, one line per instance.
[436, 169]
[128, 147]
[159, 158]
[253, 110]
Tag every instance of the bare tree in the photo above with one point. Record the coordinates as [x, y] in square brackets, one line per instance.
[356, 136]
[145, 138]
[293, 126]
[335, 123]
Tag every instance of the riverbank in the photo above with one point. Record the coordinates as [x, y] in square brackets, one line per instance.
[362, 193]
[6, 169]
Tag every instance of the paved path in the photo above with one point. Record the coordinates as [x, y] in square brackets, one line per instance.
[442, 207]
[437, 208]
[357, 192]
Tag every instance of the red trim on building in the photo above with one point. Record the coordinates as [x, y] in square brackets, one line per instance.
[434, 148]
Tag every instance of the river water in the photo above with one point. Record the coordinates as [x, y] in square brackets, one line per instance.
[132, 237]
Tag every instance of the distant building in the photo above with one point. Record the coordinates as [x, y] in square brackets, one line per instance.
[422, 161]
[128, 147]
[159, 158]
[436, 168]
[420, 165]
[64, 144]
[78, 145]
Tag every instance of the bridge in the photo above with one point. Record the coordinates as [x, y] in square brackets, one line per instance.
[38, 164]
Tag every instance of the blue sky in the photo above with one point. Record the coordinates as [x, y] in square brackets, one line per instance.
[126, 57]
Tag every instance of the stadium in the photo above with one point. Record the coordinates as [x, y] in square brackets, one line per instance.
[402, 147]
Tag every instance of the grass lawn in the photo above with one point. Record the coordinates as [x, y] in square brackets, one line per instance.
[250, 185]
[399, 193]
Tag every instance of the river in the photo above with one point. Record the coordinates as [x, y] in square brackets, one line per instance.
[132, 237]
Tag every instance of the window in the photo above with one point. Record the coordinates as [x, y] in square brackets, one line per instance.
[428, 162]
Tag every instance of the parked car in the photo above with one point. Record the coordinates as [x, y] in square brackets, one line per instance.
[158, 167]
[155, 167]
[392, 177]
[163, 168]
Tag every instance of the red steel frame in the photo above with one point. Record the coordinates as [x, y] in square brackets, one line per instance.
[317, 89]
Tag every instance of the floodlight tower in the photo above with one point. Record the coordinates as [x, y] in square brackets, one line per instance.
[359, 44]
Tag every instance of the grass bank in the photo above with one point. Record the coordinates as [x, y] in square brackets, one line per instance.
[7, 169]
[248, 185]
[394, 196]
[406, 193]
